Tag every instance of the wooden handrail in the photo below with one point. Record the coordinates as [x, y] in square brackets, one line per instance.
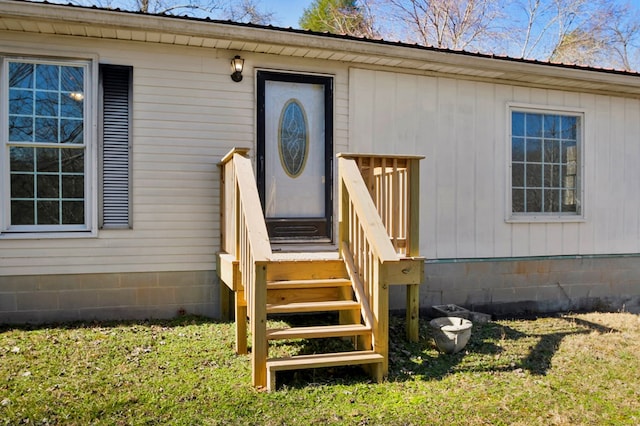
[245, 236]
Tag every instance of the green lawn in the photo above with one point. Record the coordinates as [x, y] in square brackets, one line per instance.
[569, 369]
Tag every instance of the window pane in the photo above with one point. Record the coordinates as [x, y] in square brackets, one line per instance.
[72, 160]
[21, 159]
[552, 200]
[48, 159]
[534, 150]
[21, 75]
[72, 212]
[517, 123]
[534, 125]
[569, 152]
[534, 175]
[73, 79]
[71, 131]
[551, 176]
[48, 212]
[551, 126]
[22, 213]
[517, 149]
[517, 175]
[47, 104]
[47, 130]
[48, 186]
[569, 182]
[71, 105]
[47, 77]
[517, 200]
[72, 186]
[534, 200]
[569, 204]
[20, 102]
[20, 129]
[21, 186]
[569, 128]
[551, 151]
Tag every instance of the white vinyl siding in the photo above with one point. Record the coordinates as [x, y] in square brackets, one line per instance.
[462, 127]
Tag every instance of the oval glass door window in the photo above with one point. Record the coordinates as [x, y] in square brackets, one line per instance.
[293, 138]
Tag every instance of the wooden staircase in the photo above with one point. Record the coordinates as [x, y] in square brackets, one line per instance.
[326, 288]
[352, 282]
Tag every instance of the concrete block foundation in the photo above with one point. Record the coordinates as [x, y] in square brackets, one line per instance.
[121, 296]
[505, 287]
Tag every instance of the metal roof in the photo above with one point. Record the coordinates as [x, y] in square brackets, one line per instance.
[93, 22]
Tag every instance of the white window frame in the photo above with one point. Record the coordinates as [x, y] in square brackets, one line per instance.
[89, 228]
[578, 216]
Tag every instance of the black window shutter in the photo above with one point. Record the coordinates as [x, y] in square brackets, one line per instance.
[115, 147]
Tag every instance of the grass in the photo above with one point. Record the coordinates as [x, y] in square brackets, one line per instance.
[566, 369]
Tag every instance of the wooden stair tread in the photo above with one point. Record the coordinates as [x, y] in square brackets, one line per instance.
[325, 306]
[315, 283]
[300, 362]
[318, 331]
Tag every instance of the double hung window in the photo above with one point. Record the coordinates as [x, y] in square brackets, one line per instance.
[46, 145]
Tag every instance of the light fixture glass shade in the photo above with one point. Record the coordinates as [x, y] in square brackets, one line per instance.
[237, 64]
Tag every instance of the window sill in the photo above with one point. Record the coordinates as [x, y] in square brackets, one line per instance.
[47, 235]
[546, 219]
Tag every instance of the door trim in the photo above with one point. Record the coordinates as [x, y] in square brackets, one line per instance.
[299, 227]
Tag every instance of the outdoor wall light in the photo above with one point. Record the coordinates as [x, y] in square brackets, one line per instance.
[237, 64]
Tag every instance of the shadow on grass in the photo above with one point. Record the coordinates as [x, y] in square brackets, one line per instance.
[493, 347]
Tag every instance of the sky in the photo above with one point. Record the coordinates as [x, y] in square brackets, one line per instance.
[287, 13]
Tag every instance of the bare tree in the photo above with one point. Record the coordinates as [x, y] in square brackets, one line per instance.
[453, 24]
[248, 11]
[623, 27]
[239, 11]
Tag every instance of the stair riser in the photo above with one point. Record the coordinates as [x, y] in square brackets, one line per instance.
[305, 270]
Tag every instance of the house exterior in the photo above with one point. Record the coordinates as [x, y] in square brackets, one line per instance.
[112, 125]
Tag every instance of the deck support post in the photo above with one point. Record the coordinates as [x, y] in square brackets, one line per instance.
[380, 309]
[259, 342]
[413, 312]
[225, 301]
[413, 249]
[241, 323]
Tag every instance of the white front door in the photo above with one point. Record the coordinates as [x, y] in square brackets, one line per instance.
[294, 154]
